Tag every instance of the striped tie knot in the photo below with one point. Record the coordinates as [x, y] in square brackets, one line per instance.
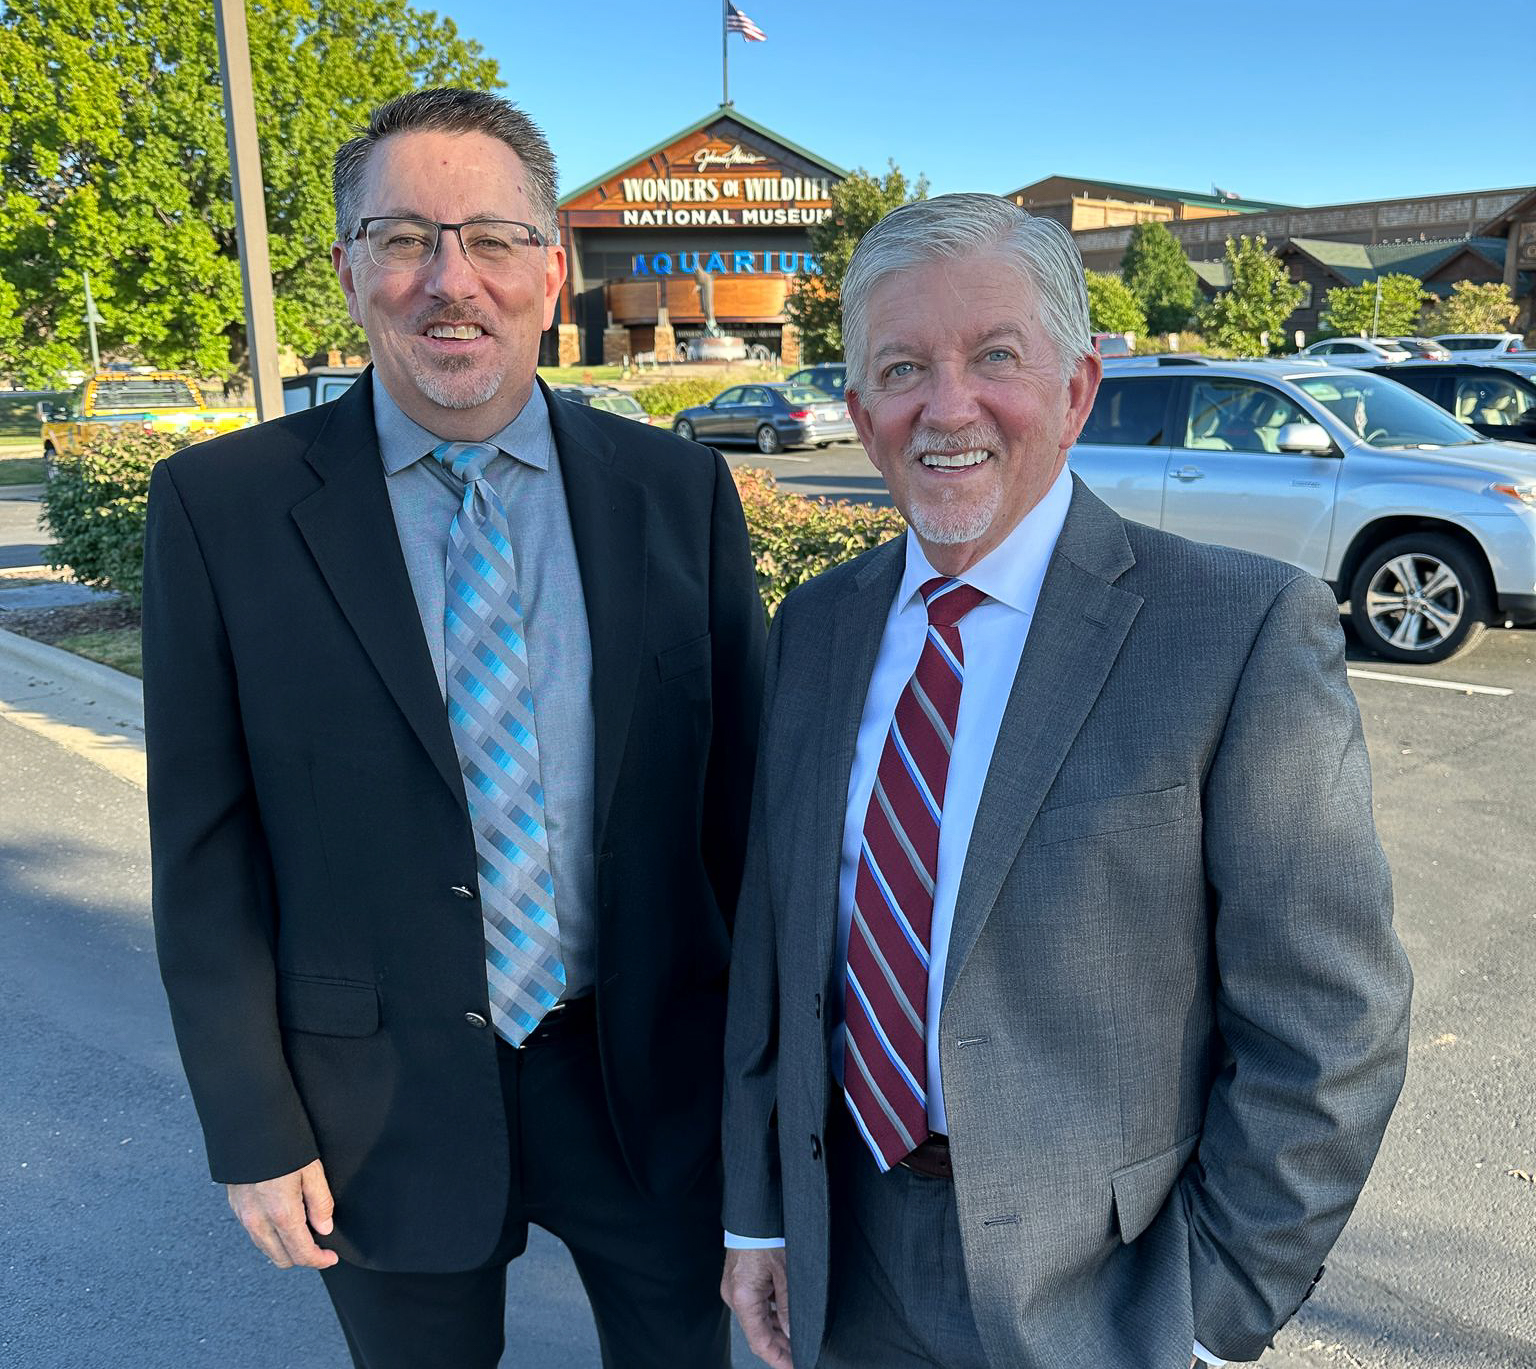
[949, 600]
[466, 461]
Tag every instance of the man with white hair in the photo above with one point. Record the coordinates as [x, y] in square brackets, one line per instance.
[1066, 1011]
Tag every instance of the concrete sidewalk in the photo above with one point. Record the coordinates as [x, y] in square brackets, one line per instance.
[91, 709]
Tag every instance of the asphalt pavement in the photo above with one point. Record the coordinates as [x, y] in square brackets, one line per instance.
[120, 1252]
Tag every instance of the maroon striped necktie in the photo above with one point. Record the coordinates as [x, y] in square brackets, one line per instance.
[885, 1057]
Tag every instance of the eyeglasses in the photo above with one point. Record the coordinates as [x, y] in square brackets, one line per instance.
[404, 244]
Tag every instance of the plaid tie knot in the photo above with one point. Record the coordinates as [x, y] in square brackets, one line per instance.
[466, 461]
[949, 600]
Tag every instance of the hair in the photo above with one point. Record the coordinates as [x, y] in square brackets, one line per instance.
[951, 226]
[447, 109]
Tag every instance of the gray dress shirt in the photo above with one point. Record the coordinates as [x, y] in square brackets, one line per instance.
[424, 498]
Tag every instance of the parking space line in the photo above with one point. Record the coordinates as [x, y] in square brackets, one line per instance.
[1428, 683]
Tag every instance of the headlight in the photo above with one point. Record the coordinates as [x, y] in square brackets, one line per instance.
[1526, 494]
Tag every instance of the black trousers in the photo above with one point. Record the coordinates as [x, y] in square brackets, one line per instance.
[651, 1270]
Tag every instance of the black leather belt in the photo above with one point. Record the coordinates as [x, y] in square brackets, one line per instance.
[930, 1159]
[572, 1017]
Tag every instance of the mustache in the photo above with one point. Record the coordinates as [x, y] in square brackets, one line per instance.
[976, 436]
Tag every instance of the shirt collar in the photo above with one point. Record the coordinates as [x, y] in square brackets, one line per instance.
[403, 442]
[1013, 571]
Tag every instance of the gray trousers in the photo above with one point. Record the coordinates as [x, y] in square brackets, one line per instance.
[898, 1295]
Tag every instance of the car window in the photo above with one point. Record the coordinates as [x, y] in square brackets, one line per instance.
[1463, 344]
[757, 397]
[1354, 348]
[617, 404]
[141, 392]
[1129, 411]
[804, 394]
[295, 398]
[1383, 413]
[1493, 400]
[1238, 416]
[731, 396]
[334, 388]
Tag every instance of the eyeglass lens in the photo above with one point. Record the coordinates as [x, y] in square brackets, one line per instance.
[491, 244]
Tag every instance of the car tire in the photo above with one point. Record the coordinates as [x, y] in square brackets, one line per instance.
[684, 429]
[768, 440]
[1420, 598]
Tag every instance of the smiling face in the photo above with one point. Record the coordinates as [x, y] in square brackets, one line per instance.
[455, 346]
[964, 411]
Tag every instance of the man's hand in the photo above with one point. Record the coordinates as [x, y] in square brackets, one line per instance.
[755, 1286]
[278, 1213]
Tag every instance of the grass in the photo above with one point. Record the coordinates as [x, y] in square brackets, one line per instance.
[116, 647]
[580, 375]
[21, 470]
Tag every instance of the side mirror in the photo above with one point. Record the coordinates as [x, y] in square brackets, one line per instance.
[1304, 437]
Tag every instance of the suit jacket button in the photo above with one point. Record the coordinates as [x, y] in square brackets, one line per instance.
[475, 1020]
[815, 1147]
[463, 891]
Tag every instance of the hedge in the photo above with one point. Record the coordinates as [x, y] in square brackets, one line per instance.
[95, 504]
[794, 538]
[668, 396]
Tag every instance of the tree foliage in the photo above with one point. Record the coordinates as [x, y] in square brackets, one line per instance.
[1472, 308]
[814, 304]
[1352, 309]
[1112, 308]
[1159, 276]
[1258, 302]
[115, 162]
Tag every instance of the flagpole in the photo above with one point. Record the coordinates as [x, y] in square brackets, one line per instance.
[725, 56]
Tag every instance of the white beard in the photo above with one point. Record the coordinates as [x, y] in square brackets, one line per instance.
[950, 521]
[446, 389]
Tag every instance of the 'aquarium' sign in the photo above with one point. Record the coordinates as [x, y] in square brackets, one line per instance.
[726, 263]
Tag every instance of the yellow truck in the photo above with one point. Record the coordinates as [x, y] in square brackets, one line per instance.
[153, 402]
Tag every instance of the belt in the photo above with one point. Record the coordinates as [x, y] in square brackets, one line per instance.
[930, 1159]
[570, 1017]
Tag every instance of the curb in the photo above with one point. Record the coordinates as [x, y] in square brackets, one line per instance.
[90, 681]
[21, 492]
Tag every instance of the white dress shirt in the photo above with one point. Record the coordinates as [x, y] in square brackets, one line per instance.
[993, 635]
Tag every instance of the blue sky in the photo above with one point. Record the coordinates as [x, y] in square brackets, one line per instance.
[1306, 102]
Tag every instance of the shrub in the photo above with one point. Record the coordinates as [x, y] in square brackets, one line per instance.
[794, 539]
[668, 396]
[95, 504]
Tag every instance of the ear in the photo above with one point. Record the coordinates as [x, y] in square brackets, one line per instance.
[861, 421]
[1081, 389]
[341, 263]
[554, 280]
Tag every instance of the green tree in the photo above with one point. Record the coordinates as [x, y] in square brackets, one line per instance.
[814, 304]
[1258, 302]
[1472, 308]
[1159, 275]
[1112, 308]
[114, 160]
[1352, 310]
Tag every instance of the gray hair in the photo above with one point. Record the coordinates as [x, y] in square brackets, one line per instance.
[447, 109]
[951, 226]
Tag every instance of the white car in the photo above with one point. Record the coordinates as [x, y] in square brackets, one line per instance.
[1357, 351]
[1484, 346]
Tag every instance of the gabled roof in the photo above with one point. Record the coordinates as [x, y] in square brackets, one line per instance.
[724, 112]
[1150, 192]
[1357, 262]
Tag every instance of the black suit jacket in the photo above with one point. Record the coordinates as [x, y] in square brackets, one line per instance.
[308, 821]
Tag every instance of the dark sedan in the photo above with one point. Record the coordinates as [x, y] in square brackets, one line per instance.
[772, 416]
[1494, 400]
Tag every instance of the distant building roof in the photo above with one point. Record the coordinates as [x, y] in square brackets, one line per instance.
[1355, 262]
[1117, 189]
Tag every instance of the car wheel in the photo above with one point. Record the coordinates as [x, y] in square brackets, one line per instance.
[684, 429]
[768, 440]
[1423, 597]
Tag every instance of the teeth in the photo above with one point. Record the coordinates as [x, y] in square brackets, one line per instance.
[952, 460]
[463, 331]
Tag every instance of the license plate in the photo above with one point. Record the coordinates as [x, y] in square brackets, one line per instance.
[831, 415]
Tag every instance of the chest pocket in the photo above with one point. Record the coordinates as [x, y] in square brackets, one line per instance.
[1120, 813]
[679, 660]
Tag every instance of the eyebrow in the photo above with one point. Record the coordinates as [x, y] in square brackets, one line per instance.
[488, 216]
[1005, 330]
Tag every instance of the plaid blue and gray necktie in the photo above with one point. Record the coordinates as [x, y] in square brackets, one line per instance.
[491, 714]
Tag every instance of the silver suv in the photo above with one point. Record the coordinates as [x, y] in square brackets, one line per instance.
[1427, 529]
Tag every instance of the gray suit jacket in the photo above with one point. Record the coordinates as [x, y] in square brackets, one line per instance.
[1175, 1013]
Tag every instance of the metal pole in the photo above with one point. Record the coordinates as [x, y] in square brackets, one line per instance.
[90, 322]
[725, 56]
[1376, 312]
[250, 205]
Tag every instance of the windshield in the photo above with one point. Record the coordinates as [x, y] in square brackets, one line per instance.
[617, 404]
[805, 394]
[142, 392]
[1383, 413]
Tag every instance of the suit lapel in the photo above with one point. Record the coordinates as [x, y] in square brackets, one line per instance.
[350, 528]
[1079, 626]
[607, 512]
[858, 622]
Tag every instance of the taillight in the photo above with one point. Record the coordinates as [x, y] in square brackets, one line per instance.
[799, 415]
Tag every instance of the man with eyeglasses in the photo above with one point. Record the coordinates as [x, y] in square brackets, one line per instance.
[451, 693]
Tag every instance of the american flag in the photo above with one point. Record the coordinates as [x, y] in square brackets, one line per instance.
[737, 22]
